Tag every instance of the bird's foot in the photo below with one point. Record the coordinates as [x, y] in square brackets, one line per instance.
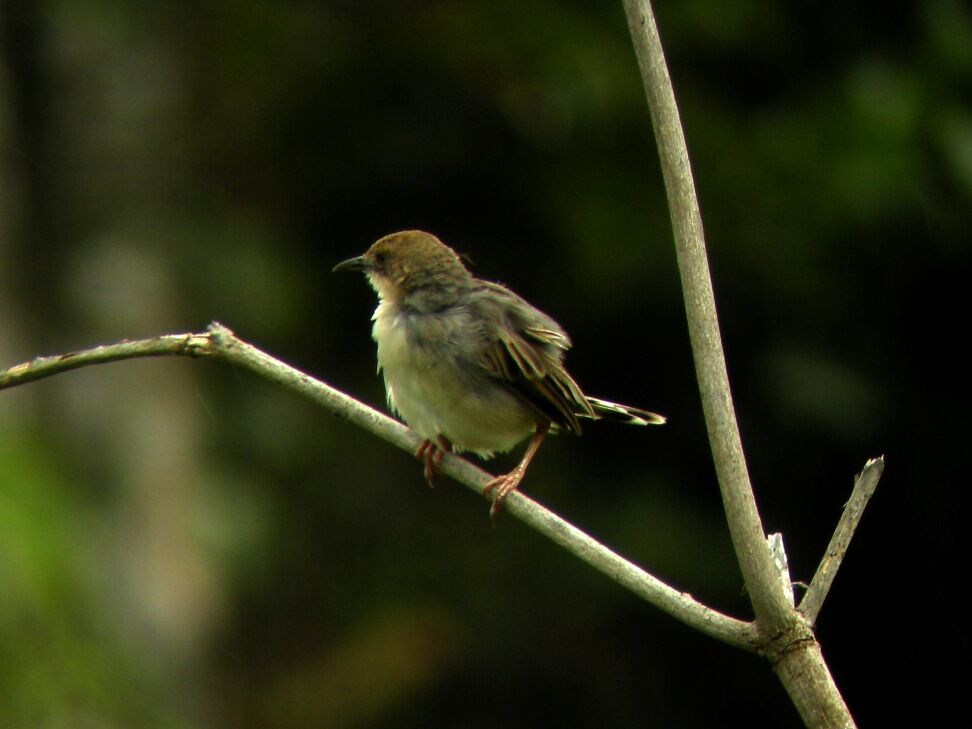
[431, 455]
[503, 486]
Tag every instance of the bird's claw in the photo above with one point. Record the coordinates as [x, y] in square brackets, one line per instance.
[431, 455]
[503, 486]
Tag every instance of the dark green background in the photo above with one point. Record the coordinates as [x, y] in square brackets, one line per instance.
[183, 545]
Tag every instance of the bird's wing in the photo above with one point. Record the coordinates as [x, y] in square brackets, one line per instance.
[525, 348]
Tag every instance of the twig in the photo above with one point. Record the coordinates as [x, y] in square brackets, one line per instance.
[169, 344]
[220, 343]
[864, 486]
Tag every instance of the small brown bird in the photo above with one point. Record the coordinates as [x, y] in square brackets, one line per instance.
[468, 364]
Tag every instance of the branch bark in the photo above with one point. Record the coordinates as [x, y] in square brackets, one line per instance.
[769, 603]
[220, 343]
[790, 644]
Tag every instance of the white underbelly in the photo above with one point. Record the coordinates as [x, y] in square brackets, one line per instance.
[477, 415]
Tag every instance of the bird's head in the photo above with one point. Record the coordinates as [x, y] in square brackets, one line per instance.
[411, 265]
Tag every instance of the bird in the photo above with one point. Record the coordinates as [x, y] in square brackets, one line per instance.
[468, 364]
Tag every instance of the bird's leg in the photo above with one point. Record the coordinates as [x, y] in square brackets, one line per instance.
[444, 447]
[503, 485]
[424, 454]
[431, 455]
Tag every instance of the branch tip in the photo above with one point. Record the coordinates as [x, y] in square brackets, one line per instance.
[865, 484]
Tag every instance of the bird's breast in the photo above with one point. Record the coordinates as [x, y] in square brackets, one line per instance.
[434, 381]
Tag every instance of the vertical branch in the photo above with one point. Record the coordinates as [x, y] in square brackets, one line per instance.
[769, 603]
[789, 642]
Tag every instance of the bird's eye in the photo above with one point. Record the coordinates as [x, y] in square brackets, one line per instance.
[380, 258]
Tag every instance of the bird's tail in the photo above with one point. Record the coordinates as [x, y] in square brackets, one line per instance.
[624, 413]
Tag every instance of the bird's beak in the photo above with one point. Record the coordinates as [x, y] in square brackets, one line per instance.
[358, 263]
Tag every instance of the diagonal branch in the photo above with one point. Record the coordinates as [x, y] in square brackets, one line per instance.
[220, 343]
[864, 487]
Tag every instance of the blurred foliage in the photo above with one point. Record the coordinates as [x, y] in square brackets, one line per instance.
[185, 546]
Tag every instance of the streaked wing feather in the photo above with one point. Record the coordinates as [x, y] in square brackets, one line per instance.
[557, 339]
[568, 419]
[539, 379]
[525, 353]
[527, 358]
